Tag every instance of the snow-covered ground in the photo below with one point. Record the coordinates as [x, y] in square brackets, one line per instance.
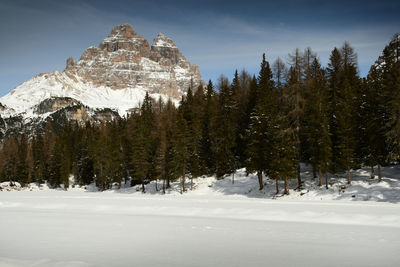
[216, 224]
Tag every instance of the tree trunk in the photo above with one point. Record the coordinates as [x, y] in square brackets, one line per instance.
[379, 173]
[326, 180]
[277, 186]
[142, 186]
[180, 185]
[183, 177]
[260, 180]
[168, 183]
[372, 172]
[299, 186]
[233, 177]
[191, 183]
[286, 185]
[348, 176]
[320, 177]
[163, 186]
[314, 171]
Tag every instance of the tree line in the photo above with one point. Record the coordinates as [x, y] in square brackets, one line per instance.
[290, 113]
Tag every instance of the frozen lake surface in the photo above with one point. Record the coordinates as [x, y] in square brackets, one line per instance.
[79, 228]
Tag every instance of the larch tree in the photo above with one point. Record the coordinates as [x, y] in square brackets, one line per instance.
[317, 117]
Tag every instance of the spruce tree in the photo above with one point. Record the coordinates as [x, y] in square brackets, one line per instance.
[283, 159]
[180, 152]
[206, 152]
[225, 129]
[22, 171]
[390, 82]
[261, 125]
[335, 67]
[142, 142]
[242, 119]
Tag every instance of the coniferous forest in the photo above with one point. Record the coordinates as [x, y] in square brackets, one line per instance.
[293, 112]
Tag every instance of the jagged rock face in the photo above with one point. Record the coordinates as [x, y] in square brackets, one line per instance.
[55, 103]
[125, 60]
[81, 114]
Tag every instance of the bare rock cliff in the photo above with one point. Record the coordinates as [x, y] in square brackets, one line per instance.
[125, 60]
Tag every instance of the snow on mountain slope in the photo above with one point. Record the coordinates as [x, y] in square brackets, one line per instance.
[25, 97]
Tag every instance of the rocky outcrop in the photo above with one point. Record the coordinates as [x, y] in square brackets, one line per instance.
[125, 60]
[81, 114]
[55, 103]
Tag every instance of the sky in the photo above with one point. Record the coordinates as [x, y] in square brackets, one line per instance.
[218, 36]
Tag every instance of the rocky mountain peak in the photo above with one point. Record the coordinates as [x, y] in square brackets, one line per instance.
[125, 60]
[116, 74]
[123, 31]
[125, 38]
[163, 41]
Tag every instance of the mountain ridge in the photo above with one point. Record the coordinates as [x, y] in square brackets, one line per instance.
[116, 74]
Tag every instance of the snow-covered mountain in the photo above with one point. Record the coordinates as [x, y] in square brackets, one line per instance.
[114, 75]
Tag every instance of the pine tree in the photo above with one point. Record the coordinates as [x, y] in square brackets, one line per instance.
[345, 131]
[9, 157]
[261, 125]
[84, 161]
[242, 118]
[335, 67]
[381, 103]
[317, 117]
[191, 108]
[390, 82]
[22, 171]
[283, 159]
[347, 111]
[206, 152]
[224, 130]
[294, 91]
[142, 143]
[180, 152]
[38, 159]
[54, 168]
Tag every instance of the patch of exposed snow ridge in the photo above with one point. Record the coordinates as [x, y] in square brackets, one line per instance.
[26, 96]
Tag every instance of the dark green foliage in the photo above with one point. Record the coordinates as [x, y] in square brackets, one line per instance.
[22, 171]
[390, 83]
[224, 129]
[329, 118]
[317, 119]
[262, 123]
[206, 152]
[180, 150]
[334, 69]
[142, 143]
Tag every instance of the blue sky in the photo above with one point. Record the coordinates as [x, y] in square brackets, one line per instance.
[219, 36]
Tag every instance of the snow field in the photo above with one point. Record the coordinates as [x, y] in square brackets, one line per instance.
[216, 224]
